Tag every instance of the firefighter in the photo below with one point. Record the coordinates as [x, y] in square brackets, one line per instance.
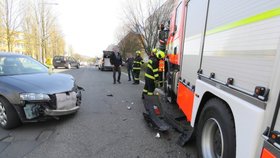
[162, 37]
[138, 61]
[151, 75]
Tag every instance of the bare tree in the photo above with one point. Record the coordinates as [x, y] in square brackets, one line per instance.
[43, 38]
[56, 42]
[144, 19]
[30, 28]
[11, 17]
[45, 20]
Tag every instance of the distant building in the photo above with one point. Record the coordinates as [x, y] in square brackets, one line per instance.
[17, 44]
[130, 43]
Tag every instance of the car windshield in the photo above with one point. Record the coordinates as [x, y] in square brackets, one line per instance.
[18, 65]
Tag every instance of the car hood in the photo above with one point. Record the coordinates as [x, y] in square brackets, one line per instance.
[47, 83]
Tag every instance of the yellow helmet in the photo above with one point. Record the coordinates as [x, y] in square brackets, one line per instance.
[154, 50]
[138, 52]
[160, 54]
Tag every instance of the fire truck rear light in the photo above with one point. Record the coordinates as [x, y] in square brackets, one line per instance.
[259, 91]
[230, 81]
[267, 154]
[212, 75]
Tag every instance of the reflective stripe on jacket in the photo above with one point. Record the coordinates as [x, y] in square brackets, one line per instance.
[138, 61]
[152, 69]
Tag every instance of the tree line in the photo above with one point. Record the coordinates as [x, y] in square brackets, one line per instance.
[33, 24]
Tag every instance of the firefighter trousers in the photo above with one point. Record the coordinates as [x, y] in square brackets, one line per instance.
[136, 76]
[149, 87]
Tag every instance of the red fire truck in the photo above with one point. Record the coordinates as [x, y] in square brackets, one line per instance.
[224, 76]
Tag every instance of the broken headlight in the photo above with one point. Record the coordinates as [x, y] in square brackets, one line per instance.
[34, 96]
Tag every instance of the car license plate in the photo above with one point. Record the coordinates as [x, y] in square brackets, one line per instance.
[66, 101]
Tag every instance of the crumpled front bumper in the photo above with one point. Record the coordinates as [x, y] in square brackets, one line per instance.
[49, 112]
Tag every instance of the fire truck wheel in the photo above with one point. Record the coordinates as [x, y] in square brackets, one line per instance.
[216, 131]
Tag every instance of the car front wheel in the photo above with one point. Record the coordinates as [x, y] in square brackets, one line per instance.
[8, 115]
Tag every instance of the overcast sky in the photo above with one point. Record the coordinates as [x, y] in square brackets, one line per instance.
[89, 25]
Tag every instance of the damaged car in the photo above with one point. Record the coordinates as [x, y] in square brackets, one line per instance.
[29, 92]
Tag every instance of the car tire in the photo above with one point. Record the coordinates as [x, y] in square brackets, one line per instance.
[78, 66]
[216, 131]
[8, 116]
[55, 67]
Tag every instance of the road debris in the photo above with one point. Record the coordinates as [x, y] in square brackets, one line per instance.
[157, 135]
[128, 108]
[124, 119]
[110, 95]
[132, 103]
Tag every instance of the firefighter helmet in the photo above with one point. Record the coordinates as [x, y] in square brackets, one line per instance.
[154, 50]
[160, 54]
[138, 52]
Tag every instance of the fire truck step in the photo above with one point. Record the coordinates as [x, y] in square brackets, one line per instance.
[156, 122]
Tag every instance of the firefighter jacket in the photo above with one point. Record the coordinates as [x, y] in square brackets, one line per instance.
[152, 69]
[138, 61]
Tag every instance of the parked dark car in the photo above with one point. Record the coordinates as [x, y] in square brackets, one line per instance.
[65, 61]
[29, 92]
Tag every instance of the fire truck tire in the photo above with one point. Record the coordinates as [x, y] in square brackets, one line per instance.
[216, 131]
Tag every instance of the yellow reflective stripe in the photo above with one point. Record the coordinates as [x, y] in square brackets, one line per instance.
[149, 66]
[249, 20]
[144, 90]
[150, 61]
[136, 62]
[156, 75]
[155, 70]
[149, 76]
[136, 68]
[149, 93]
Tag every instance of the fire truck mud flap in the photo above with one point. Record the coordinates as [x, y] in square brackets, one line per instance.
[153, 114]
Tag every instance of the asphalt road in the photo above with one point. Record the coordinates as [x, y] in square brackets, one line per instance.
[103, 128]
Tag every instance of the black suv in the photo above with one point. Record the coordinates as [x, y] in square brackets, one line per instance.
[65, 61]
